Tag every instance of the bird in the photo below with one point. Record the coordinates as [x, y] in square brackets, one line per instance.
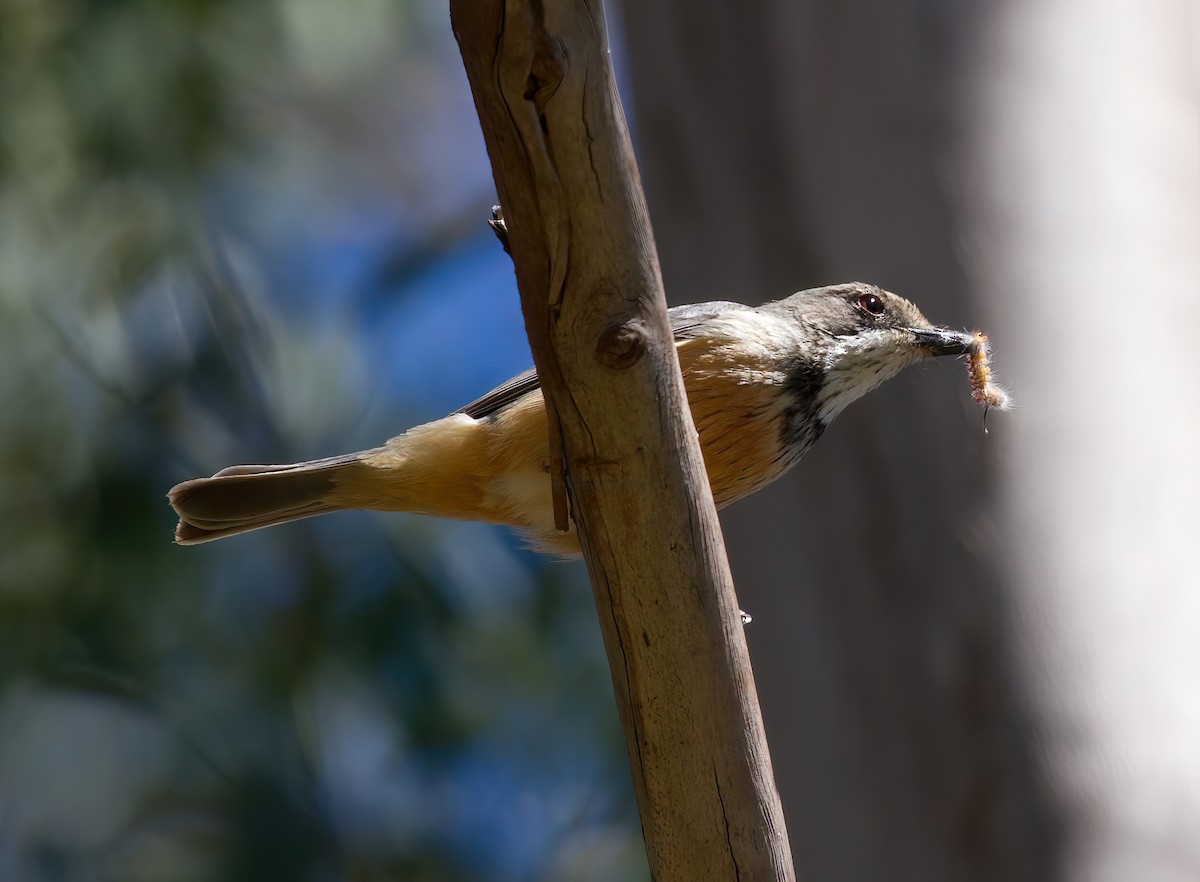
[763, 383]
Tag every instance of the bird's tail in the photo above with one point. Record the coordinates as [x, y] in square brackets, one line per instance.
[246, 497]
[450, 468]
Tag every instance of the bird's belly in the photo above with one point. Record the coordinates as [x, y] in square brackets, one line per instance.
[741, 420]
[741, 416]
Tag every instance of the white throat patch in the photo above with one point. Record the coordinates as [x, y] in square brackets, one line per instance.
[857, 364]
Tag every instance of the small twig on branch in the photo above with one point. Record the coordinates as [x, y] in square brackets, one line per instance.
[558, 472]
[496, 222]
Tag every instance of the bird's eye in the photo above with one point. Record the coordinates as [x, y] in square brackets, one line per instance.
[871, 304]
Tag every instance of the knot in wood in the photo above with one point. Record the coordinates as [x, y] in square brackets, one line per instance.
[622, 346]
[547, 70]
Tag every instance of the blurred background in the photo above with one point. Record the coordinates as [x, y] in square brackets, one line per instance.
[241, 231]
[254, 232]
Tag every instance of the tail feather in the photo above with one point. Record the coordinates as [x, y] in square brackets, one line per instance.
[453, 468]
[187, 533]
[248, 497]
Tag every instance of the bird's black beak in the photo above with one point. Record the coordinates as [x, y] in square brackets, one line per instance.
[942, 341]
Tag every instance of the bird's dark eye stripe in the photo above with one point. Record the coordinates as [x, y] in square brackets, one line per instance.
[872, 304]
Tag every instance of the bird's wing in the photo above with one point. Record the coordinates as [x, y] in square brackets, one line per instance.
[505, 394]
[686, 319]
[684, 322]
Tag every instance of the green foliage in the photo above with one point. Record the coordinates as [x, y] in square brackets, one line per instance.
[370, 697]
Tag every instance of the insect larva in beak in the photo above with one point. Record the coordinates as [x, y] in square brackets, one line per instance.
[983, 389]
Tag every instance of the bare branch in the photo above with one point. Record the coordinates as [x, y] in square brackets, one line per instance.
[579, 233]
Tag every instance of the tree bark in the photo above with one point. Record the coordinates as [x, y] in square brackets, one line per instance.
[595, 313]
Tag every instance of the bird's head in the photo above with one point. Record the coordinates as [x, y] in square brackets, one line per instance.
[859, 336]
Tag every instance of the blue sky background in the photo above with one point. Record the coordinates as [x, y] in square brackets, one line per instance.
[240, 232]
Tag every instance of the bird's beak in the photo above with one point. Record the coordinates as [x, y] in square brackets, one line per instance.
[942, 341]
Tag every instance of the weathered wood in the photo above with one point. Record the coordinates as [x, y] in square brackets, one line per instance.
[596, 318]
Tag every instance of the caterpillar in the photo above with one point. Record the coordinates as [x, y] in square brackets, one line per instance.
[983, 388]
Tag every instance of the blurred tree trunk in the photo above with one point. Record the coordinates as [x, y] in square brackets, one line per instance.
[962, 677]
[787, 145]
[1081, 201]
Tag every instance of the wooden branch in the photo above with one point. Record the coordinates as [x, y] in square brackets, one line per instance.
[595, 313]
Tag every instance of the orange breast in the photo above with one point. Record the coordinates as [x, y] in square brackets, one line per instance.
[496, 468]
[739, 411]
